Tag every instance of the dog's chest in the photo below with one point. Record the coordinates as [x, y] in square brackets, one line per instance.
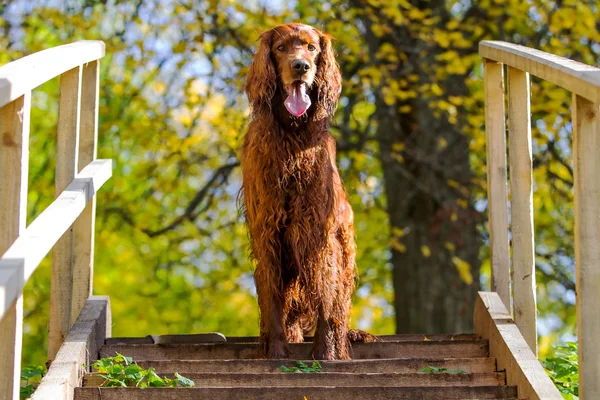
[301, 169]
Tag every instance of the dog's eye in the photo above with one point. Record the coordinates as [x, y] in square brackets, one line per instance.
[281, 48]
[311, 47]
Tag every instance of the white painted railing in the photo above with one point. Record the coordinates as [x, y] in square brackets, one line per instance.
[584, 82]
[67, 225]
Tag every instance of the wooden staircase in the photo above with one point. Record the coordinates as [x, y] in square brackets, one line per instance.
[232, 368]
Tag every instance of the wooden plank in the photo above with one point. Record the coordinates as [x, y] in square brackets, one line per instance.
[397, 365]
[80, 348]
[512, 353]
[14, 166]
[495, 132]
[21, 76]
[83, 229]
[574, 76]
[26, 253]
[521, 202]
[586, 161]
[309, 392]
[299, 351]
[67, 155]
[371, 379]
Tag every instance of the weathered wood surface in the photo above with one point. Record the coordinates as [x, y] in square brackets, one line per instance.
[521, 205]
[83, 229]
[574, 76]
[312, 393]
[300, 351]
[495, 132]
[67, 155]
[14, 166]
[512, 353]
[286, 379]
[26, 253]
[398, 365]
[216, 337]
[21, 76]
[81, 347]
[586, 161]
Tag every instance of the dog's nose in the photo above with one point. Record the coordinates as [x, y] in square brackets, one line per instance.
[300, 66]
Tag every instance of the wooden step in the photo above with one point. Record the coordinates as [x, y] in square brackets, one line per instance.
[300, 351]
[292, 393]
[332, 379]
[399, 365]
[217, 338]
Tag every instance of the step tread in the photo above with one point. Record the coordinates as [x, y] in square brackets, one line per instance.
[409, 349]
[311, 393]
[217, 338]
[400, 365]
[332, 379]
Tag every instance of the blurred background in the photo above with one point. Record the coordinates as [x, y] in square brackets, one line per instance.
[171, 247]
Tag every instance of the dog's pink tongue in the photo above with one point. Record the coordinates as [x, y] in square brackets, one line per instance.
[298, 100]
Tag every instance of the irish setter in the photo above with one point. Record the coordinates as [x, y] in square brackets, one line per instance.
[298, 216]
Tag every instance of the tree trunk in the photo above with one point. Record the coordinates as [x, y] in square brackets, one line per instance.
[425, 161]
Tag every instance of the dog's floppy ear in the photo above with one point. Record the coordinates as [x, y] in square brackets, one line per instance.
[328, 79]
[261, 81]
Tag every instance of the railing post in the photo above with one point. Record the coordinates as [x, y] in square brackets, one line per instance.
[67, 148]
[83, 266]
[14, 166]
[521, 195]
[586, 161]
[495, 130]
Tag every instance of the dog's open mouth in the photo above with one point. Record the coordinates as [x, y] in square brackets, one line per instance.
[298, 100]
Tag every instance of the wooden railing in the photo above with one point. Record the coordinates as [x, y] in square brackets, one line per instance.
[67, 225]
[584, 82]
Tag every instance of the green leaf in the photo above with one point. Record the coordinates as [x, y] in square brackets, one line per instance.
[183, 381]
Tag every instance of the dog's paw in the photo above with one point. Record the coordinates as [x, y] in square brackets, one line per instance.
[278, 349]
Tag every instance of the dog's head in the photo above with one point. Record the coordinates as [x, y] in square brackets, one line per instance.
[299, 59]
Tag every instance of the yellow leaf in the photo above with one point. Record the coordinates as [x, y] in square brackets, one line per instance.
[464, 270]
[426, 339]
[396, 245]
[426, 251]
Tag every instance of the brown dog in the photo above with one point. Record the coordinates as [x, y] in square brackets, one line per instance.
[299, 219]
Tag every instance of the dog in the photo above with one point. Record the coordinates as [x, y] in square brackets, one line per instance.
[299, 220]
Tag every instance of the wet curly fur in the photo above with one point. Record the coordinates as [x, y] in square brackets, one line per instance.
[297, 212]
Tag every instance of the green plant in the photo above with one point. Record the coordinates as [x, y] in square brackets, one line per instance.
[302, 367]
[121, 371]
[438, 370]
[564, 371]
[30, 379]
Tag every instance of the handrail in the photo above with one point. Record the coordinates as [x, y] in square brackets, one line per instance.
[584, 82]
[67, 225]
[574, 76]
[28, 251]
[21, 76]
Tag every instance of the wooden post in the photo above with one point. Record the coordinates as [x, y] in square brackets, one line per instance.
[495, 132]
[521, 195]
[14, 166]
[83, 265]
[586, 160]
[67, 148]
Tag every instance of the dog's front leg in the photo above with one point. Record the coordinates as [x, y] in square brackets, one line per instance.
[272, 335]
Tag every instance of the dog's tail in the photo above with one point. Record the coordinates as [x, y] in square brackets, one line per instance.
[357, 335]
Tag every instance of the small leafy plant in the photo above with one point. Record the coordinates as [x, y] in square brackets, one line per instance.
[564, 371]
[30, 379]
[440, 370]
[302, 367]
[121, 371]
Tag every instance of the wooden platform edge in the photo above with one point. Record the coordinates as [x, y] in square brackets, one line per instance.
[80, 348]
[508, 346]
